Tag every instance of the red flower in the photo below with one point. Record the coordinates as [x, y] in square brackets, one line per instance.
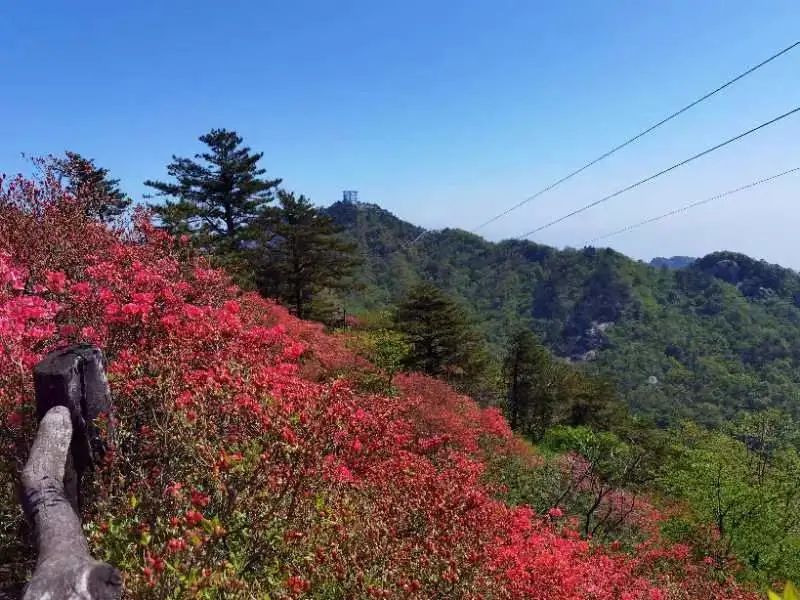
[14, 419]
[247, 379]
[231, 306]
[297, 585]
[56, 281]
[176, 545]
[173, 489]
[289, 436]
[193, 517]
[81, 289]
[343, 475]
[199, 498]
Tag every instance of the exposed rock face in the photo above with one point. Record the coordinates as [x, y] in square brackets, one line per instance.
[755, 279]
[727, 270]
[673, 262]
[587, 346]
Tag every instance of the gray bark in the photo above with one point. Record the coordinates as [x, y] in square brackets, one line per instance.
[71, 392]
[75, 377]
[64, 570]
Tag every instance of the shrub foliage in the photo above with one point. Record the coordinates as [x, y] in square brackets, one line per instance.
[249, 463]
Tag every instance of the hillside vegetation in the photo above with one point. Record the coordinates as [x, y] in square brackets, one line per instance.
[368, 455]
[705, 342]
[257, 457]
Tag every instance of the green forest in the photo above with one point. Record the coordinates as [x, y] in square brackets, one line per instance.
[650, 408]
[295, 302]
[675, 380]
[706, 342]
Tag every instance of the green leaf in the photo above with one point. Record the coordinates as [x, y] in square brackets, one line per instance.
[790, 592]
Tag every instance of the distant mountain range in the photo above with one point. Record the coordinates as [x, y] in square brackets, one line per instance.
[681, 337]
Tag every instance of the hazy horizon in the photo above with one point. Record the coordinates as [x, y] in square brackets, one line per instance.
[646, 259]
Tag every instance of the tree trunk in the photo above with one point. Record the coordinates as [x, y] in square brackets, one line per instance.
[71, 393]
[64, 570]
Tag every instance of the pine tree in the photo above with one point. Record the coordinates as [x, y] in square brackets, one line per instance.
[217, 195]
[443, 341]
[543, 391]
[92, 184]
[528, 368]
[300, 252]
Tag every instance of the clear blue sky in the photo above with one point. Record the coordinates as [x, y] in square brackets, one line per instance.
[443, 112]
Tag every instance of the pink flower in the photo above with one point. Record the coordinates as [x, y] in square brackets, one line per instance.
[56, 281]
[343, 475]
[81, 289]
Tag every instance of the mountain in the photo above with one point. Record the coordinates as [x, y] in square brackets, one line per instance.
[673, 262]
[257, 456]
[707, 341]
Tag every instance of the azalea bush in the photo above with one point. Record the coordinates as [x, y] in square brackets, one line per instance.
[250, 462]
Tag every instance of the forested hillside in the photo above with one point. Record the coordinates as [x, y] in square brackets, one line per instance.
[256, 456]
[706, 341]
[423, 443]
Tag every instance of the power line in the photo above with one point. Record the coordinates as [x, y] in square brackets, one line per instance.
[690, 206]
[660, 173]
[637, 136]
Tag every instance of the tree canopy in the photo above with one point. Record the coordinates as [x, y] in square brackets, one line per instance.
[443, 340]
[299, 253]
[216, 195]
[81, 177]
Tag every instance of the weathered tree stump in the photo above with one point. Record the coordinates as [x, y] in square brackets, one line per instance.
[71, 392]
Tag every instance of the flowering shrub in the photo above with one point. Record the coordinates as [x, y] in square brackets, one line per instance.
[248, 462]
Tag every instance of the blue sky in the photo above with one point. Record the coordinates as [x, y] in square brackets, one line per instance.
[443, 112]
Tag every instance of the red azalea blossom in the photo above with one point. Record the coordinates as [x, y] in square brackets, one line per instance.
[199, 499]
[55, 281]
[241, 400]
[297, 585]
[193, 517]
[343, 475]
[176, 545]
